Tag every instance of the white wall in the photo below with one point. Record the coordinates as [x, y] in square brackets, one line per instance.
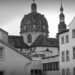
[35, 64]
[13, 63]
[4, 35]
[34, 36]
[67, 46]
[42, 50]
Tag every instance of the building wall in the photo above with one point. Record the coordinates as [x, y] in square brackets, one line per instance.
[67, 46]
[51, 60]
[52, 51]
[4, 35]
[12, 62]
[34, 36]
[72, 44]
[34, 65]
[64, 47]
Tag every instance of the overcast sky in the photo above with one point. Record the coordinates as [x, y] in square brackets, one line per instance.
[12, 12]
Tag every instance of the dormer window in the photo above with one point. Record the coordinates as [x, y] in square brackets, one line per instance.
[29, 38]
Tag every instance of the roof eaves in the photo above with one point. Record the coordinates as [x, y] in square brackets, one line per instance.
[50, 57]
[63, 32]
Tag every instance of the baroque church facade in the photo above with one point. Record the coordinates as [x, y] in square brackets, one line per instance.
[35, 44]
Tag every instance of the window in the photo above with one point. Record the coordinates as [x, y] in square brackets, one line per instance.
[63, 71]
[39, 22]
[51, 66]
[74, 53]
[74, 71]
[1, 72]
[29, 38]
[62, 40]
[67, 71]
[1, 52]
[67, 55]
[36, 72]
[67, 38]
[63, 56]
[73, 33]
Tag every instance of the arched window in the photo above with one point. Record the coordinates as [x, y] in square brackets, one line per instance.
[29, 38]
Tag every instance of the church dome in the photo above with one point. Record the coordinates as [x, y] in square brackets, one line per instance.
[34, 21]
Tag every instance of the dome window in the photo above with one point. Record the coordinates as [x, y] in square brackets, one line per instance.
[29, 38]
[24, 27]
[39, 22]
[43, 27]
[28, 22]
[34, 26]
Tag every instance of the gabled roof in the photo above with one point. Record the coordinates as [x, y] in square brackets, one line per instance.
[15, 49]
[17, 42]
[43, 41]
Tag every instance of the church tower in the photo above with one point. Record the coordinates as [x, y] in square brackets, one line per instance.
[62, 25]
[33, 25]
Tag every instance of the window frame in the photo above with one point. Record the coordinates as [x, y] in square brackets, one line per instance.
[29, 37]
[62, 40]
[67, 55]
[73, 33]
[73, 53]
[73, 70]
[2, 72]
[67, 71]
[52, 66]
[2, 57]
[63, 56]
[63, 71]
[67, 38]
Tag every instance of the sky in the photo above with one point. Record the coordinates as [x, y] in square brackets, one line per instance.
[12, 12]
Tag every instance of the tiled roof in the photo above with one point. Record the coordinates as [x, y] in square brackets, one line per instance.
[17, 42]
[43, 41]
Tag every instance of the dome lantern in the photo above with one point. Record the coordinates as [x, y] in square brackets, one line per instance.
[33, 7]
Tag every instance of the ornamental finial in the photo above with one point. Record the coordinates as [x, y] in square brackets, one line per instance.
[61, 9]
[61, 3]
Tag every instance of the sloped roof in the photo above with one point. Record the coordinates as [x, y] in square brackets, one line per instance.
[17, 42]
[15, 49]
[43, 41]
